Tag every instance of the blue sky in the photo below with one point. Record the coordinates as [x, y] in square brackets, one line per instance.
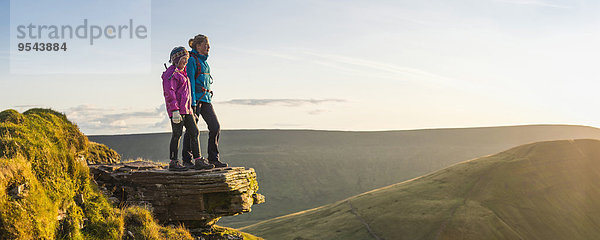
[348, 65]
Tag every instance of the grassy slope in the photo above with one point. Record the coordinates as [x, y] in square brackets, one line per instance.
[545, 190]
[299, 169]
[41, 153]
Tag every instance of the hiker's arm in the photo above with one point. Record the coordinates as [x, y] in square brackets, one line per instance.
[191, 71]
[169, 92]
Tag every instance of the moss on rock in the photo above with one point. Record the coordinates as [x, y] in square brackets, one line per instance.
[101, 154]
[11, 115]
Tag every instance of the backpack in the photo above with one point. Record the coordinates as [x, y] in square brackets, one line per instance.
[199, 71]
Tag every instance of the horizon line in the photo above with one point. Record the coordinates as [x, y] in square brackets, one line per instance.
[365, 131]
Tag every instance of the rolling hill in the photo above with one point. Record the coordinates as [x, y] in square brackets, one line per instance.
[303, 169]
[545, 190]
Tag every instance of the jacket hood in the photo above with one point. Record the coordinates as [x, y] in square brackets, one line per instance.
[168, 73]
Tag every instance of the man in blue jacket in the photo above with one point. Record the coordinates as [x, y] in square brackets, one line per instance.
[199, 73]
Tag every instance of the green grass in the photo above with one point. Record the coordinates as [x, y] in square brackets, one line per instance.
[42, 151]
[141, 225]
[225, 232]
[545, 190]
[101, 154]
[35, 215]
[44, 155]
[303, 169]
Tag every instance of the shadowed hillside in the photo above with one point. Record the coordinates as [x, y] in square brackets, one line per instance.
[329, 166]
[546, 190]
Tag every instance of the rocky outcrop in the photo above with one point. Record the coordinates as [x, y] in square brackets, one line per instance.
[197, 198]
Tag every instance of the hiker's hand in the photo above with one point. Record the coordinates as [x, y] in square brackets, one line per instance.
[176, 117]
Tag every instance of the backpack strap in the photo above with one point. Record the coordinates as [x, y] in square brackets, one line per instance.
[198, 72]
[198, 66]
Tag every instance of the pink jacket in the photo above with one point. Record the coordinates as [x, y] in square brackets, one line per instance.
[176, 88]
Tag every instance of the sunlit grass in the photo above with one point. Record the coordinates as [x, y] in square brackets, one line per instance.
[545, 190]
[46, 190]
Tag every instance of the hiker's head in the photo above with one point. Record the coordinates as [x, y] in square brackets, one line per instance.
[182, 62]
[200, 44]
[179, 57]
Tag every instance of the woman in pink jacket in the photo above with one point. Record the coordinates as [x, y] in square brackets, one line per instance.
[176, 88]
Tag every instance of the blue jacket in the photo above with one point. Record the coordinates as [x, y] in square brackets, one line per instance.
[203, 81]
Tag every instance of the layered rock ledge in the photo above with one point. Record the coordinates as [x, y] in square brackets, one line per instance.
[197, 198]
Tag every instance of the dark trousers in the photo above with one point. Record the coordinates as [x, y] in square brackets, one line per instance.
[214, 130]
[189, 121]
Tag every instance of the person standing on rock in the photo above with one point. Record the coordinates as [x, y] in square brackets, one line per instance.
[201, 80]
[178, 100]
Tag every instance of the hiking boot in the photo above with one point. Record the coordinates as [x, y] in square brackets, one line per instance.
[202, 163]
[218, 164]
[175, 165]
[188, 163]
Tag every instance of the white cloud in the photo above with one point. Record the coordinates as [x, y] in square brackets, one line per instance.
[92, 119]
[353, 65]
[97, 120]
[539, 3]
[285, 102]
[317, 112]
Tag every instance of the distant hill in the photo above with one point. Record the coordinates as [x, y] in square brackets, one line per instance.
[332, 165]
[546, 190]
